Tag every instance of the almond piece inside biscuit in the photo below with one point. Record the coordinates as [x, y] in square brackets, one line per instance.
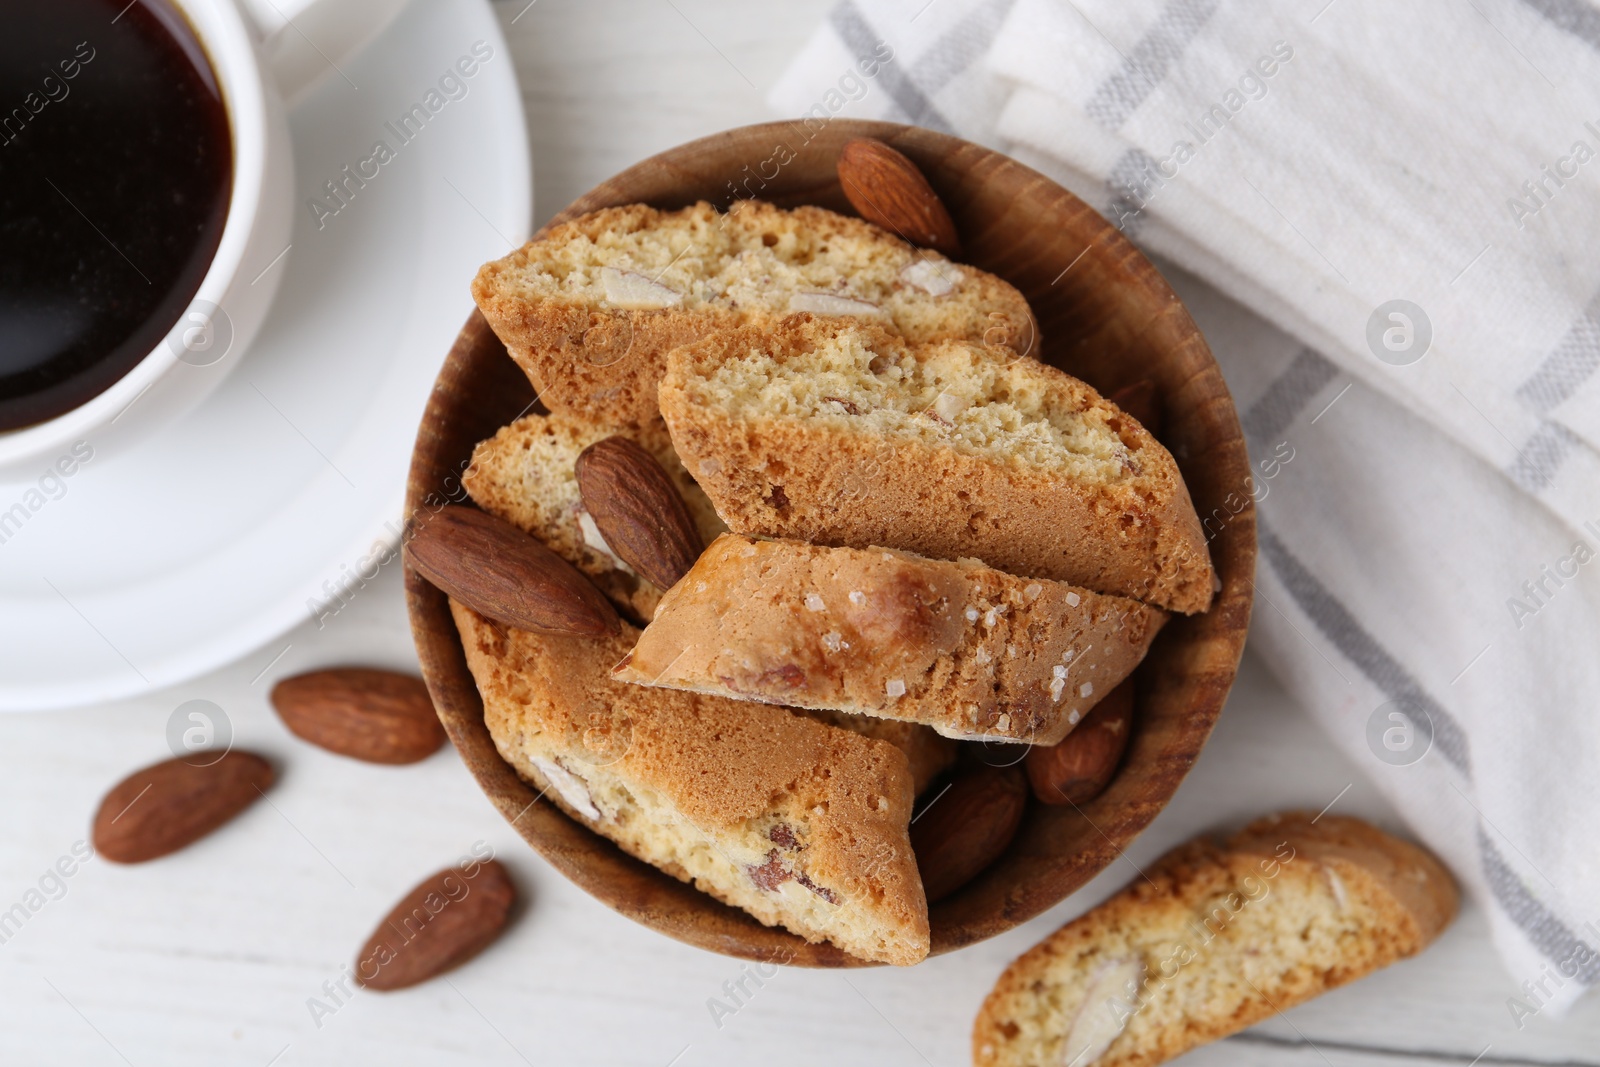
[1107, 1006]
[829, 304]
[931, 276]
[569, 785]
[632, 291]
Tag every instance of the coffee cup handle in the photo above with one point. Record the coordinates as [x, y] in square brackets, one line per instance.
[304, 41]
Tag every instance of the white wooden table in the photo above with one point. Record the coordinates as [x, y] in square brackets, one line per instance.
[213, 956]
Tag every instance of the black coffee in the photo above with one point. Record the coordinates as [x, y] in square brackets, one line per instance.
[116, 165]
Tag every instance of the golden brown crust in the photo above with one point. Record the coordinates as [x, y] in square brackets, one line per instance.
[799, 823]
[963, 648]
[1225, 934]
[929, 754]
[587, 355]
[821, 479]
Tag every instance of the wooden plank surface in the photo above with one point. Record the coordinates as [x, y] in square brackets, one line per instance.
[224, 954]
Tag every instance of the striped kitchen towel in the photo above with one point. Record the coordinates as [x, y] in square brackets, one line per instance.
[1399, 203]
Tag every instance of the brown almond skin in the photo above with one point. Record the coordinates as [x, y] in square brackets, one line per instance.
[889, 191]
[501, 573]
[1141, 400]
[638, 510]
[446, 920]
[968, 826]
[164, 807]
[1079, 768]
[367, 714]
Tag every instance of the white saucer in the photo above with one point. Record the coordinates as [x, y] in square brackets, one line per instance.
[149, 567]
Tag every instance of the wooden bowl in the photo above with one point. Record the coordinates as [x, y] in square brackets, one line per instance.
[1105, 315]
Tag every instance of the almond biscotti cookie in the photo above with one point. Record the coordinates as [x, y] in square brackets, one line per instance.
[801, 824]
[961, 647]
[590, 308]
[525, 475]
[842, 433]
[1218, 937]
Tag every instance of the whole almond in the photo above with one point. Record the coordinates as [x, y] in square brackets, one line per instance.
[372, 715]
[500, 572]
[164, 807]
[1140, 400]
[967, 826]
[447, 919]
[889, 191]
[638, 510]
[1078, 769]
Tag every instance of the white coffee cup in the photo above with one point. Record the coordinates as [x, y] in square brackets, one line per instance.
[265, 53]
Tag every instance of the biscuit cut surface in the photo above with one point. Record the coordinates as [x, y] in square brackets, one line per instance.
[590, 308]
[1220, 936]
[801, 824]
[526, 474]
[841, 433]
[958, 646]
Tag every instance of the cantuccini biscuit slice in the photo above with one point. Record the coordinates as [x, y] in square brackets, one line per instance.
[1219, 936]
[842, 433]
[590, 308]
[801, 824]
[526, 475]
[958, 646]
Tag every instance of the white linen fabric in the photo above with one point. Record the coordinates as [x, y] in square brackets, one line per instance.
[1398, 204]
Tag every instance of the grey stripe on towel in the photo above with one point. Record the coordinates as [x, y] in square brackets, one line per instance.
[1547, 932]
[1284, 399]
[1568, 365]
[1361, 648]
[1577, 17]
[1540, 456]
[1142, 69]
[1131, 185]
[860, 38]
[1562, 372]
[962, 45]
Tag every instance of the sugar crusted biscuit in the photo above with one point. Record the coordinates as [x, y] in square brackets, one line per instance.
[958, 646]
